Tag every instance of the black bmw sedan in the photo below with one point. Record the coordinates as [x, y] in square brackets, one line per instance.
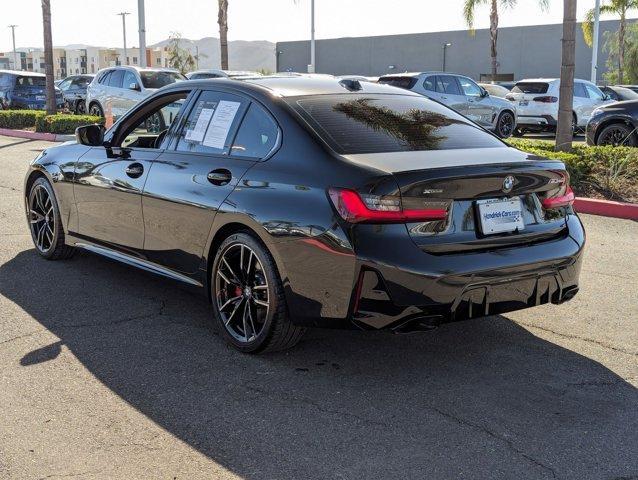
[614, 124]
[313, 202]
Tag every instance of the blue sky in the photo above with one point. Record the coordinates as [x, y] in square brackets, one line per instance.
[95, 22]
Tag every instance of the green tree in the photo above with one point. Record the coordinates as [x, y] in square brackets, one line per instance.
[222, 20]
[612, 7]
[610, 46]
[469, 8]
[179, 58]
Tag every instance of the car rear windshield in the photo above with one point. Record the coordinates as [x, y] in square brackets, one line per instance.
[530, 87]
[401, 82]
[25, 81]
[360, 123]
[160, 79]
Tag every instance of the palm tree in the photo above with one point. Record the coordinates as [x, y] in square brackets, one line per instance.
[469, 8]
[612, 7]
[565, 128]
[48, 56]
[222, 20]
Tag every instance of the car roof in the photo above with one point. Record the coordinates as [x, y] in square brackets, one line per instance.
[286, 86]
[416, 74]
[23, 74]
[139, 69]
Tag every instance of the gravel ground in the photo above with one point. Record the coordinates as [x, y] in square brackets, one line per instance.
[109, 372]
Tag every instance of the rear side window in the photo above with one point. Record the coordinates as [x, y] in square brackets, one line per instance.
[401, 82]
[212, 123]
[361, 123]
[6, 80]
[257, 135]
[447, 84]
[31, 81]
[531, 87]
[159, 79]
[104, 78]
[430, 84]
[115, 80]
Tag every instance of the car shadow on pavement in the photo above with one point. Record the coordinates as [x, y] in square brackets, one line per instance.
[478, 399]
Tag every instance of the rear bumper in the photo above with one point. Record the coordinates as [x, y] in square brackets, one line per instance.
[540, 122]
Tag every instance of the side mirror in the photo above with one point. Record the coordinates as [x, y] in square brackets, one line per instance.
[134, 86]
[90, 135]
[484, 93]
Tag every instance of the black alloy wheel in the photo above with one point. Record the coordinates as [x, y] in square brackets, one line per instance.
[616, 135]
[80, 107]
[248, 299]
[45, 224]
[96, 110]
[505, 125]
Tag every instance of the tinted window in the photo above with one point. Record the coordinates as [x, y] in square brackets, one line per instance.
[470, 89]
[6, 81]
[64, 84]
[160, 79]
[620, 93]
[530, 87]
[115, 79]
[150, 131]
[200, 76]
[401, 82]
[594, 93]
[430, 84]
[447, 84]
[579, 90]
[211, 123]
[31, 81]
[389, 123]
[129, 78]
[257, 134]
[104, 78]
[82, 82]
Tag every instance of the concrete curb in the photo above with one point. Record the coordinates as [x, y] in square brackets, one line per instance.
[47, 137]
[606, 208]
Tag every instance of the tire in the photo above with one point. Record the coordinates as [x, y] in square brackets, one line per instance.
[96, 110]
[617, 134]
[574, 125]
[238, 297]
[45, 224]
[505, 125]
[80, 107]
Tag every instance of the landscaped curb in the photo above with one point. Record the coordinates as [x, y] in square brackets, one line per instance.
[47, 137]
[606, 208]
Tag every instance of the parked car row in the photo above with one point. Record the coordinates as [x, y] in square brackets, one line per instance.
[25, 90]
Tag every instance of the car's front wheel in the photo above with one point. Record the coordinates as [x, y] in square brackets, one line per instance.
[96, 110]
[505, 125]
[45, 222]
[617, 134]
[248, 297]
[80, 107]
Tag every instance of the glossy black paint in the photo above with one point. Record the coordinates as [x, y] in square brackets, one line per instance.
[621, 113]
[158, 209]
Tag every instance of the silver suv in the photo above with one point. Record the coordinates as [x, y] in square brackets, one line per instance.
[117, 89]
[463, 95]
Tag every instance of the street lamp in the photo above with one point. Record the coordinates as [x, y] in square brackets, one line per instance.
[15, 54]
[445, 47]
[142, 27]
[123, 15]
[312, 66]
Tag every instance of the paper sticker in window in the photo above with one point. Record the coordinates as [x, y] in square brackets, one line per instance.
[220, 124]
[197, 133]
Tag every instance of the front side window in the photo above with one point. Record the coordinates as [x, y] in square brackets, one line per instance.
[149, 130]
[257, 135]
[212, 123]
[31, 82]
[361, 123]
[579, 90]
[65, 84]
[129, 79]
[594, 92]
[160, 79]
[470, 89]
[447, 84]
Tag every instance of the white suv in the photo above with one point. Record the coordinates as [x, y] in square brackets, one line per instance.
[117, 89]
[537, 103]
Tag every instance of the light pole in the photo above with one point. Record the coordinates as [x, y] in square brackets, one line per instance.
[312, 66]
[15, 54]
[594, 54]
[142, 30]
[123, 15]
[445, 47]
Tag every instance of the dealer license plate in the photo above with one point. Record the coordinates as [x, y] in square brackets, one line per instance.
[40, 97]
[500, 215]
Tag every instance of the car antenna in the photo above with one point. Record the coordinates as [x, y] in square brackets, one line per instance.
[350, 84]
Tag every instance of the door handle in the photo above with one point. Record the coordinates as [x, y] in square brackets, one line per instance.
[220, 177]
[135, 170]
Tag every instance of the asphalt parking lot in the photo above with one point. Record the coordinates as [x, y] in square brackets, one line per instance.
[109, 372]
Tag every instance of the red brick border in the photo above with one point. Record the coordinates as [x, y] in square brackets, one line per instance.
[48, 137]
[606, 208]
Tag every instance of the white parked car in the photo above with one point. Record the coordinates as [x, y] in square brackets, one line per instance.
[117, 89]
[216, 73]
[537, 103]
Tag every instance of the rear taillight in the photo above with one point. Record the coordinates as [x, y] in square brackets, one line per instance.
[546, 99]
[564, 200]
[362, 208]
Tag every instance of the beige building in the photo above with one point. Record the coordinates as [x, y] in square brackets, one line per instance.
[59, 62]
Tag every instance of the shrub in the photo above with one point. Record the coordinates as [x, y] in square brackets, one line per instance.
[20, 119]
[65, 124]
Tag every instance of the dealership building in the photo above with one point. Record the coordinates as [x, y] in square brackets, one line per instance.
[523, 52]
